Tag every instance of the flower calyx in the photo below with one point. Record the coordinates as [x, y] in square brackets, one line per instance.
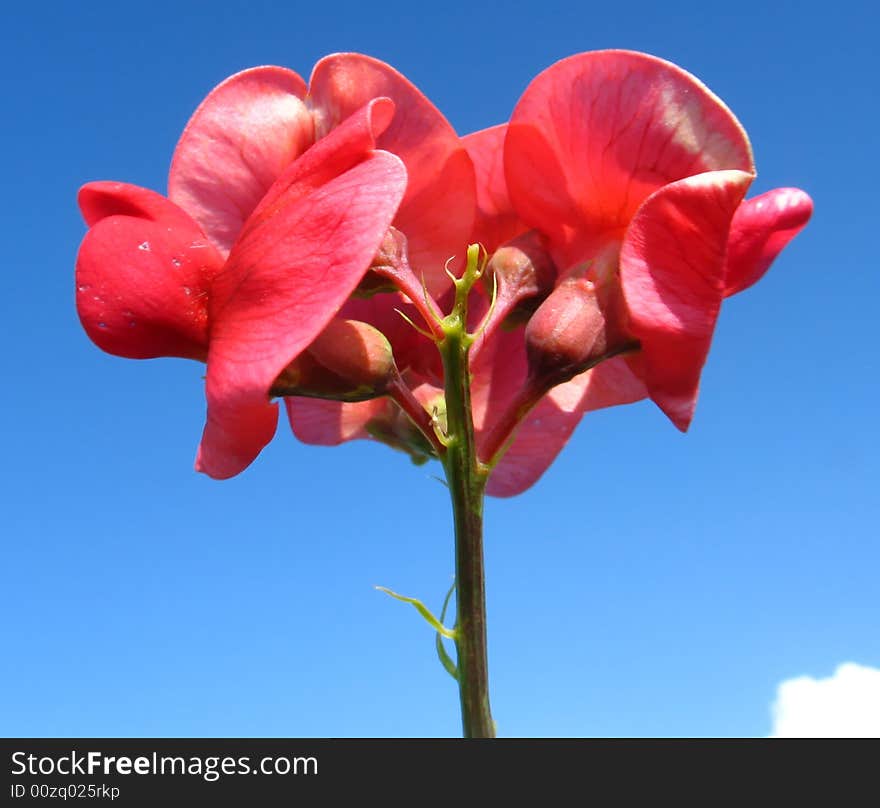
[524, 274]
[580, 324]
[348, 361]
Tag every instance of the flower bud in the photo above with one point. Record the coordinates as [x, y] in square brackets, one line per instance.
[348, 361]
[581, 323]
[574, 329]
[525, 275]
[390, 258]
[567, 331]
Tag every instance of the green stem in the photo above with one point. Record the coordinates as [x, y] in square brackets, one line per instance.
[467, 481]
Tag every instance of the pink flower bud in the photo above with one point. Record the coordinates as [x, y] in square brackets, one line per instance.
[524, 272]
[567, 331]
[575, 328]
[348, 361]
[390, 260]
[524, 264]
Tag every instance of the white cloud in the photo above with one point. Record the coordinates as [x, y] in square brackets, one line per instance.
[845, 705]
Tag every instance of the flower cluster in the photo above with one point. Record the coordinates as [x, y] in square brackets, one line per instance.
[303, 252]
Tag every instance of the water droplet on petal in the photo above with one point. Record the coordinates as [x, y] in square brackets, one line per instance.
[102, 325]
[84, 287]
[175, 261]
[187, 291]
[144, 246]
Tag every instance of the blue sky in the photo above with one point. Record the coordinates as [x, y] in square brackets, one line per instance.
[650, 584]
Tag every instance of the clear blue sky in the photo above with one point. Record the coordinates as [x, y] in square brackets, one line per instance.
[650, 584]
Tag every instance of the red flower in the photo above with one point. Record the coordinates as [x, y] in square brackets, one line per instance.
[271, 234]
[151, 281]
[612, 205]
[631, 175]
[255, 123]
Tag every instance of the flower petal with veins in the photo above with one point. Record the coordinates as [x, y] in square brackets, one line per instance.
[542, 435]
[672, 275]
[496, 220]
[437, 212]
[237, 143]
[595, 134]
[299, 257]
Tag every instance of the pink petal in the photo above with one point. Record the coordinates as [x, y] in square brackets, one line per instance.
[760, 230]
[437, 213]
[98, 200]
[610, 384]
[498, 375]
[329, 423]
[595, 134]
[496, 220]
[346, 147]
[236, 431]
[237, 143]
[548, 427]
[142, 274]
[672, 275]
[538, 441]
[300, 256]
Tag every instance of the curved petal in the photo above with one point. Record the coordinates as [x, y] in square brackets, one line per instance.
[498, 373]
[346, 147]
[98, 200]
[496, 219]
[235, 432]
[237, 143]
[142, 274]
[437, 212]
[539, 439]
[672, 276]
[610, 384]
[300, 256]
[760, 230]
[545, 431]
[595, 134]
[329, 423]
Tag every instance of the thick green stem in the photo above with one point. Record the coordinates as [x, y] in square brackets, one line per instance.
[467, 481]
